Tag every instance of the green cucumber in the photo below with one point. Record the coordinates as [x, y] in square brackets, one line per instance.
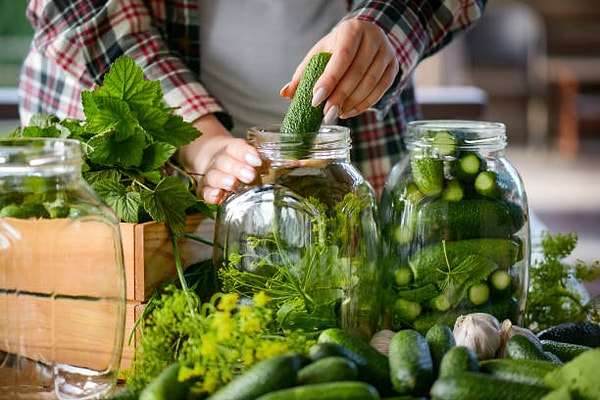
[350, 390]
[469, 219]
[486, 184]
[328, 369]
[166, 386]
[585, 333]
[453, 191]
[479, 293]
[373, 367]
[302, 120]
[480, 386]
[440, 340]
[564, 351]
[268, 375]
[427, 263]
[428, 174]
[467, 166]
[521, 347]
[526, 371]
[443, 143]
[457, 360]
[411, 363]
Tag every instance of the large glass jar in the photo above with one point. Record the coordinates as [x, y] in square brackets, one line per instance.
[62, 278]
[305, 232]
[455, 227]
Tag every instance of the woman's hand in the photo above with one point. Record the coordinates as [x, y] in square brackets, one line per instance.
[362, 67]
[221, 160]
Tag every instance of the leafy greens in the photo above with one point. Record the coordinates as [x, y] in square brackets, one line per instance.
[130, 136]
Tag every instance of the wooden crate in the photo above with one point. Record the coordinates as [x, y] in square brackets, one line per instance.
[48, 257]
[148, 253]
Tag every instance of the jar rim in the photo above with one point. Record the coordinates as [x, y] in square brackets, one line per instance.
[30, 152]
[473, 133]
[330, 141]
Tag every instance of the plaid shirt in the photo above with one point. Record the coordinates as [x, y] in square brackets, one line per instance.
[75, 43]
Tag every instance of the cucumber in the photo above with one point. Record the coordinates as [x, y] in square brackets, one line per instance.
[520, 347]
[373, 367]
[486, 184]
[440, 340]
[469, 219]
[350, 390]
[479, 293]
[301, 117]
[467, 166]
[526, 371]
[166, 386]
[458, 359]
[427, 263]
[585, 333]
[443, 143]
[411, 364]
[480, 386]
[265, 376]
[564, 351]
[428, 174]
[453, 191]
[328, 369]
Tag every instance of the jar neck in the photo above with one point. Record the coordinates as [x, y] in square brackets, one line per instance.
[331, 143]
[58, 160]
[468, 135]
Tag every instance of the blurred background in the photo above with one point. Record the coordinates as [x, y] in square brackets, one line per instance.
[531, 64]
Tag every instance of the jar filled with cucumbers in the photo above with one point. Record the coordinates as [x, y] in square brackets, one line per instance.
[305, 233]
[455, 227]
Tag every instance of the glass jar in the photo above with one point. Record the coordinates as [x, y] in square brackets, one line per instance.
[455, 227]
[62, 278]
[305, 232]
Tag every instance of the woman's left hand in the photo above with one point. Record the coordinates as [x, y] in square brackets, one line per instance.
[362, 67]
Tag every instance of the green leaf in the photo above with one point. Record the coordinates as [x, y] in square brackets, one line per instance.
[110, 152]
[113, 114]
[125, 204]
[95, 176]
[125, 81]
[178, 132]
[156, 155]
[168, 203]
[153, 119]
[459, 278]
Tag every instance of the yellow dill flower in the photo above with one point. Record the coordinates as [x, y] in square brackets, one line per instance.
[244, 312]
[271, 348]
[251, 324]
[261, 299]
[228, 302]
[209, 345]
[211, 382]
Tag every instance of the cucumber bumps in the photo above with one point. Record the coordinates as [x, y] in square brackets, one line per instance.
[302, 120]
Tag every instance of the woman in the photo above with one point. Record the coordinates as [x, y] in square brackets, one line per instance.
[222, 62]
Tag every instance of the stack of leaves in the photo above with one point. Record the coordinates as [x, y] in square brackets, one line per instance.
[130, 136]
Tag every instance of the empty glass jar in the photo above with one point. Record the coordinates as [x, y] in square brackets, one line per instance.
[62, 278]
[455, 225]
[305, 233]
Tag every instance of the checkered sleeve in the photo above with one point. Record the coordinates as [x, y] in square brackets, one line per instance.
[75, 42]
[416, 29]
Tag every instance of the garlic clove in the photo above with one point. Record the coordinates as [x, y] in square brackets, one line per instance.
[479, 333]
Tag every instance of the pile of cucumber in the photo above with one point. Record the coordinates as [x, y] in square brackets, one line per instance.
[453, 234]
[417, 366]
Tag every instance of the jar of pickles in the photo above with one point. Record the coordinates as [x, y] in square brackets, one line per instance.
[455, 228]
[305, 232]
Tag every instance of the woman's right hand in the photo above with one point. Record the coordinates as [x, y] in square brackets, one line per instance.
[221, 160]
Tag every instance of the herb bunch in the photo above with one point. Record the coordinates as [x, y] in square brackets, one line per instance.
[129, 137]
[555, 292]
[213, 341]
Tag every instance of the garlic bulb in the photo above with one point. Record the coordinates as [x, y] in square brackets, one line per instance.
[380, 341]
[480, 332]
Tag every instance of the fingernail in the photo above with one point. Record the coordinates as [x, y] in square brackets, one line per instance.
[228, 182]
[350, 113]
[284, 89]
[319, 96]
[253, 160]
[247, 174]
[331, 115]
